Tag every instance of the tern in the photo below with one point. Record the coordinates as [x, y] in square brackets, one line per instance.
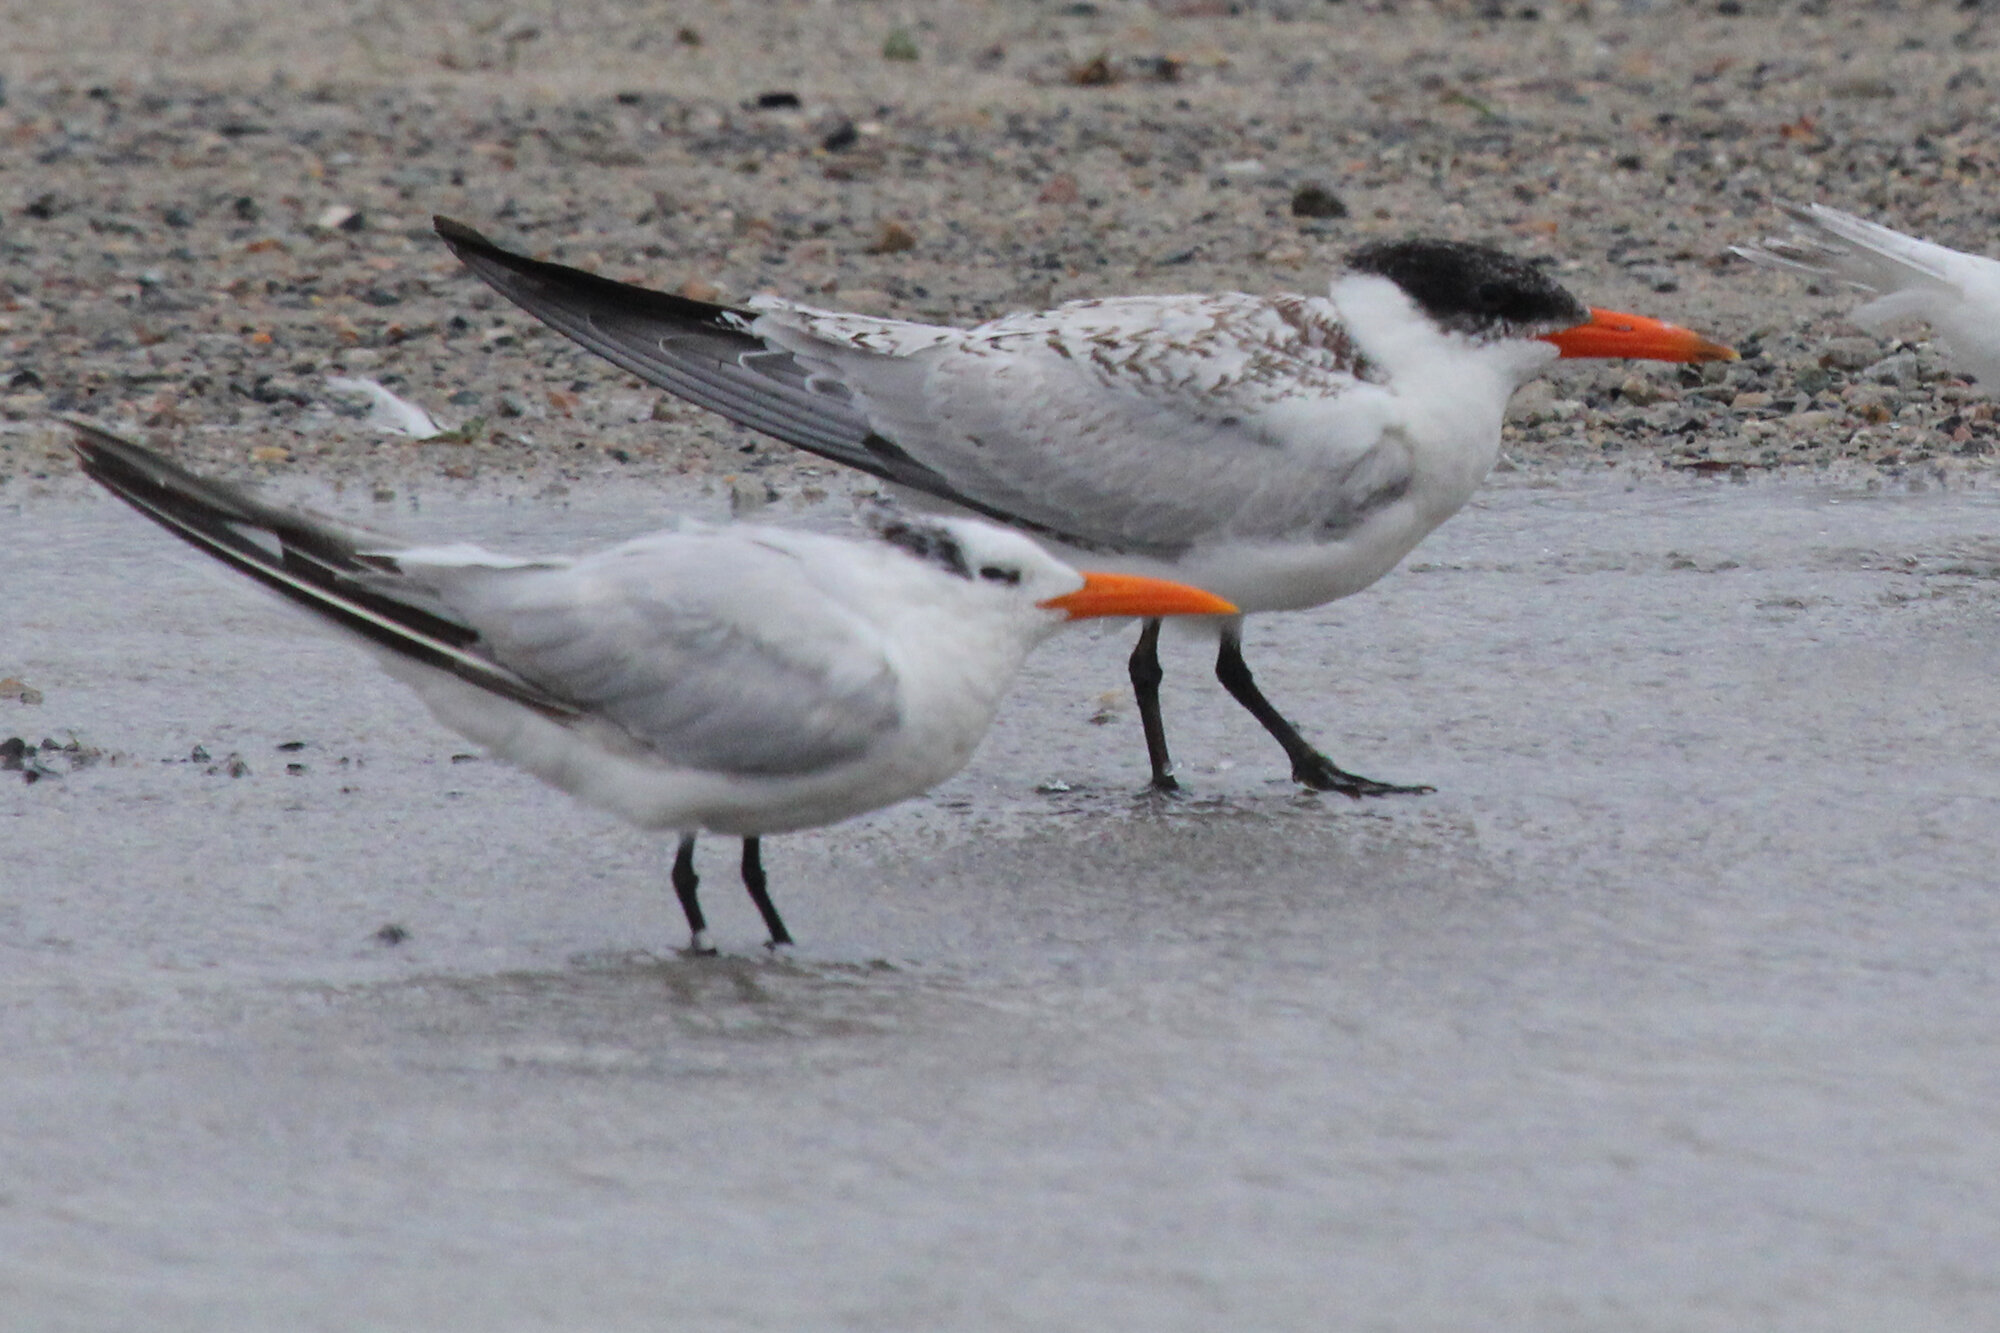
[1279, 451]
[741, 680]
[1955, 293]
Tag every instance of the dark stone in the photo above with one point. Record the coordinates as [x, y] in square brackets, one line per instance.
[1314, 200]
[841, 137]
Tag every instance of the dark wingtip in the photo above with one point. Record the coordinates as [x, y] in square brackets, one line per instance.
[130, 470]
[102, 453]
[538, 285]
[455, 234]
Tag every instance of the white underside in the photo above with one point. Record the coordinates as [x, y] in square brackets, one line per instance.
[593, 763]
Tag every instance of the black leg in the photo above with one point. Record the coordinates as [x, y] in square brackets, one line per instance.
[753, 880]
[685, 883]
[1146, 677]
[1309, 766]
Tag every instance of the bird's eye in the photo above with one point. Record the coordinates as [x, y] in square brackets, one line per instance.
[996, 574]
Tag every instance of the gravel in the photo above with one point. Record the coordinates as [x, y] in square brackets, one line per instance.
[202, 220]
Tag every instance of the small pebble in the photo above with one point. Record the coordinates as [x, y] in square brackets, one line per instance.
[339, 217]
[1900, 370]
[1314, 200]
[891, 238]
[1849, 353]
[841, 137]
[1641, 391]
[747, 495]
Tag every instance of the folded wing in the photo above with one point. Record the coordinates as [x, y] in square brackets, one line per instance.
[709, 649]
[1142, 424]
[706, 650]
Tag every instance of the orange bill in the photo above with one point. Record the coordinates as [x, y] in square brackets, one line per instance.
[1615, 333]
[1132, 595]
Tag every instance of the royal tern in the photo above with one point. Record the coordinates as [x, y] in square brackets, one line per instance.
[743, 680]
[1955, 293]
[1280, 451]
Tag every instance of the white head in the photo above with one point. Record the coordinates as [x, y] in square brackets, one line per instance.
[1019, 580]
[1487, 298]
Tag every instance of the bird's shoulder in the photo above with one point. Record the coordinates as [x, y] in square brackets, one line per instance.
[720, 649]
[1218, 343]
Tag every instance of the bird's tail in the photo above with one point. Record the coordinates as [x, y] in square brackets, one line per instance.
[1906, 274]
[342, 573]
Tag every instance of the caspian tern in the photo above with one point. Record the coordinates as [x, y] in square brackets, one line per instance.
[1955, 293]
[743, 680]
[1280, 451]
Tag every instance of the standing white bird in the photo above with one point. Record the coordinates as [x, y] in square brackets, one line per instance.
[744, 680]
[1955, 293]
[1280, 451]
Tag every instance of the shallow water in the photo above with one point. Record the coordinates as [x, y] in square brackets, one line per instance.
[1676, 1007]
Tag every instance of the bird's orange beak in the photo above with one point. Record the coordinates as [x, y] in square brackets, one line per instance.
[1132, 595]
[1615, 333]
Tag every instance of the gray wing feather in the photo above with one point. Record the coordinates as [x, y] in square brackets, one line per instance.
[712, 654]
[707, 651]
[1143, 425]
[696, 350]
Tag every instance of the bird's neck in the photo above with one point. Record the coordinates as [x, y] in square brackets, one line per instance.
[1451, 390]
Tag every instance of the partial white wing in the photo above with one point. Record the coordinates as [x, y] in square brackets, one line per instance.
[1145, 424]
[708, 649]
[1958, 294]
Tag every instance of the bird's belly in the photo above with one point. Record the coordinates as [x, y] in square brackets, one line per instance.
[1287, 574]
[598, 769]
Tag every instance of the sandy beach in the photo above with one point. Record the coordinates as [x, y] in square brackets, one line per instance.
[1671, 1009]
[207, 210]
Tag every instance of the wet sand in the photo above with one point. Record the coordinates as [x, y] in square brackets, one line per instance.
[1671, 1009]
